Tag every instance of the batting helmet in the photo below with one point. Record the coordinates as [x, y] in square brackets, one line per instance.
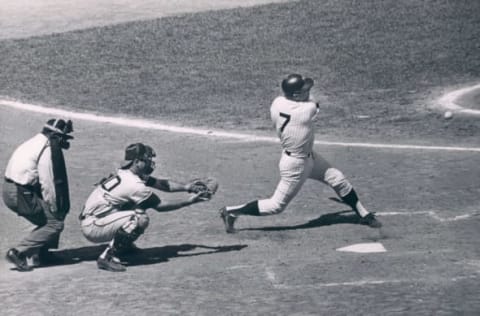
[295, 84]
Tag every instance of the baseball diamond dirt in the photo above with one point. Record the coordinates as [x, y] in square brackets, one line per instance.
[416, 170]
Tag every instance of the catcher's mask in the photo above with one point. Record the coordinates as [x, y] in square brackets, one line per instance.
[59, 128]
[140, 152]
[297, 88]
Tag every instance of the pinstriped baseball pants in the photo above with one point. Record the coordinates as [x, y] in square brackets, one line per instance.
[294, 172]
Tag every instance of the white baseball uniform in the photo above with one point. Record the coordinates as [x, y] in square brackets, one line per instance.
[294, 123]
[117, 201]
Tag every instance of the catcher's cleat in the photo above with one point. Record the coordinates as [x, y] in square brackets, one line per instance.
[18, 259]
[370, 220]
[228, 220]
[110, 263]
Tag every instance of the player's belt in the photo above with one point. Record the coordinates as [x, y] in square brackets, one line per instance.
[26, 186]
[290, 153]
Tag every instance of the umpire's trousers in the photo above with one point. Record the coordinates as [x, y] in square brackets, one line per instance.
[26, 202]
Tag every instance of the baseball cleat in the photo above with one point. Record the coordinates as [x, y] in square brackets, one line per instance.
[18, 259]
[110, 263]
[228, 220]
[35, 261]
[371, 221]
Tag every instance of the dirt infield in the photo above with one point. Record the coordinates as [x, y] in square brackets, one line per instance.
[276, 265]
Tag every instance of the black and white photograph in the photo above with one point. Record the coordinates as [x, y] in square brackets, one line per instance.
[240, 157]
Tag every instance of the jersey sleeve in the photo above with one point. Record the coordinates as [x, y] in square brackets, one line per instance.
[141, 193]
[151, 202]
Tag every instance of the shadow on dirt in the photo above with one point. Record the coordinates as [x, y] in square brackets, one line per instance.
[162, 254]
[143, 256]
[324, 220]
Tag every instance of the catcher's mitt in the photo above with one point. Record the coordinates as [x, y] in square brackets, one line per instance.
[207, 187]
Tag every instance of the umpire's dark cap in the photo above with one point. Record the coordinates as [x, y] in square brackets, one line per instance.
[60, 127]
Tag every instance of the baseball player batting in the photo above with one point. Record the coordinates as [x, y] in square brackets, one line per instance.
[293, 115]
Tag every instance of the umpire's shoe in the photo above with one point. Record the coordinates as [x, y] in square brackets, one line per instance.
[228, 220]
[18, 259]
[370, 220]
[110, 263]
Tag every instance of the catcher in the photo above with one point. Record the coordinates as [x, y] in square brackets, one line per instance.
[115, 211]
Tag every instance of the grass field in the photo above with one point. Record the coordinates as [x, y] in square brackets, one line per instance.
[384, 59]
[387, 60]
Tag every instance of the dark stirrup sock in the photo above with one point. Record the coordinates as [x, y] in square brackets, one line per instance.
[250, 208]
[351, 200]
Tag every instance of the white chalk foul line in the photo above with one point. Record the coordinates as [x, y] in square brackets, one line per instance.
[432, 214]
[448, 100]
[273, 280]
[145, 124]
[336, 284]
[371, 282]
[271, 277]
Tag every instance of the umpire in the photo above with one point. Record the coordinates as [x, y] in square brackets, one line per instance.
[36, 188]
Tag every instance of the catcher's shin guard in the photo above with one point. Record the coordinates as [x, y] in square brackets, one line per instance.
[124, 239]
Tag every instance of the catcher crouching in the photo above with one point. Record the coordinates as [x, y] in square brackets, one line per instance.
[115, 211]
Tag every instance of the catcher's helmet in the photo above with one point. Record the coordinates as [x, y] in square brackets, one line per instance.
[138, 151]
[295, 84]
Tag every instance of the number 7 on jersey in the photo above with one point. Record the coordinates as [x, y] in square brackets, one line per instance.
[287, 119]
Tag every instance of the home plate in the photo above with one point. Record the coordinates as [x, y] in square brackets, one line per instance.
[364, 248]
